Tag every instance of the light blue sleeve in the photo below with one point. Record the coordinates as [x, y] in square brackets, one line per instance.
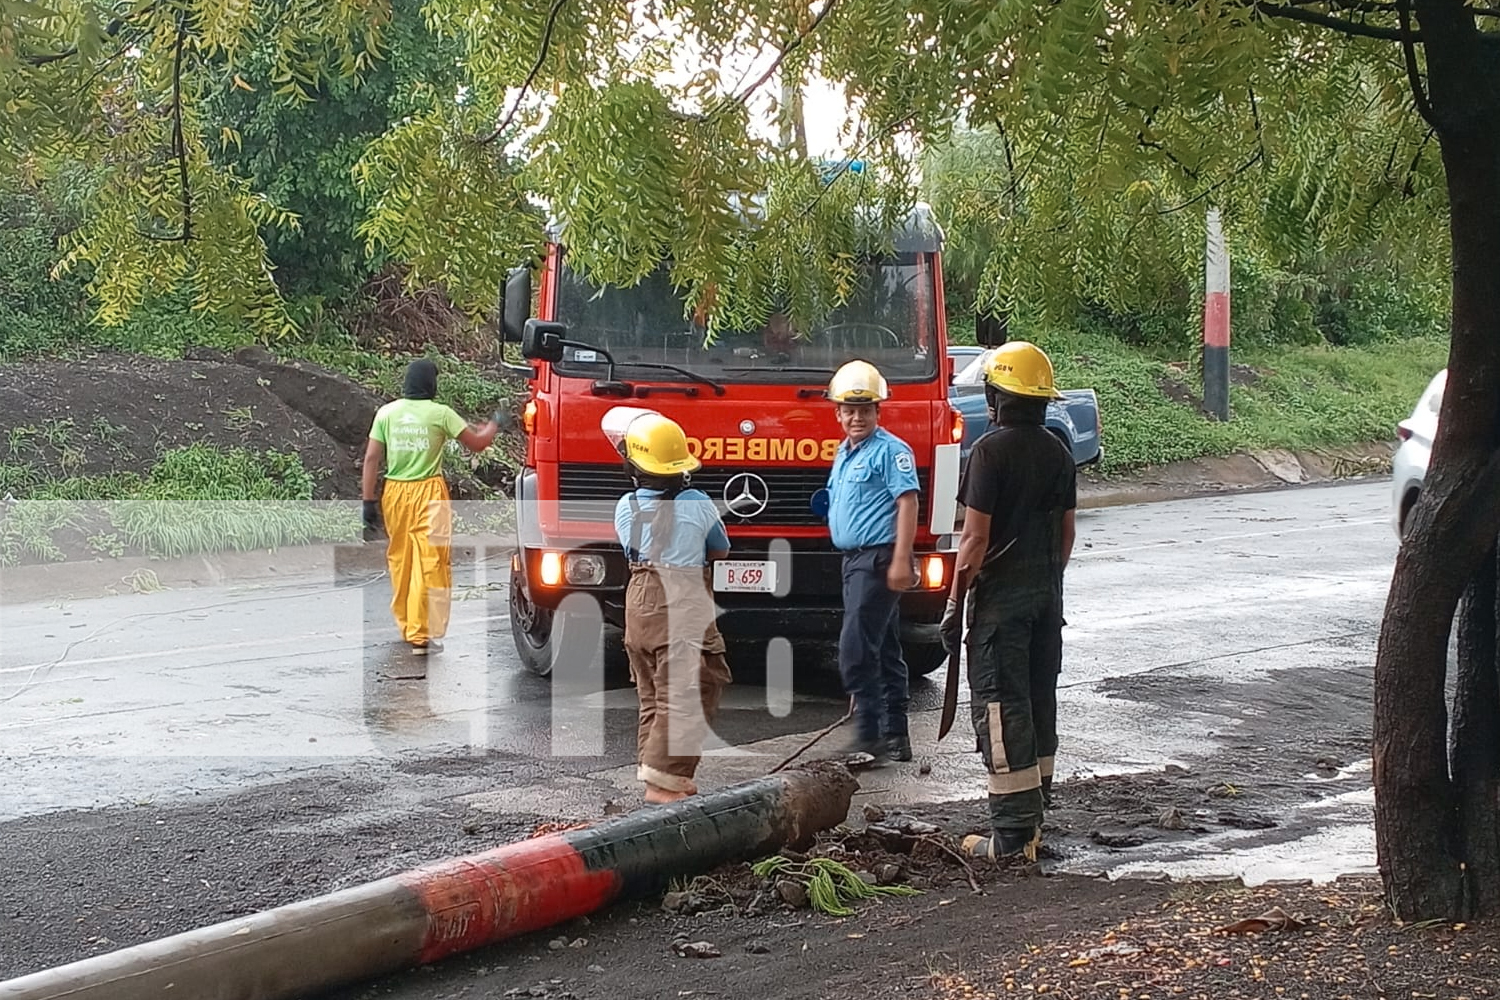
[622, 521]
[901, 468]
[717, 537]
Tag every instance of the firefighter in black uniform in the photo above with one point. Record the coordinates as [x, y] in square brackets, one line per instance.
[1019, 490]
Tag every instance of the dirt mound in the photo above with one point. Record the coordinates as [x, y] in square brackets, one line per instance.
[112, 413]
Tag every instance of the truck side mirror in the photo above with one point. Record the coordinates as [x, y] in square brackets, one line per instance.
[515, 305]
[542, 340]
[991, 330]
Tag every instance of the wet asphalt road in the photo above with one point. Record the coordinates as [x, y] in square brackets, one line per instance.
[178, 757]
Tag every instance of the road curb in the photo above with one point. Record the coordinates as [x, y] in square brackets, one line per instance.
[328, 564]
[1243, 472]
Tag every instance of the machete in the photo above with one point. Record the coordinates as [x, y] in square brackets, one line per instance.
[950, 685]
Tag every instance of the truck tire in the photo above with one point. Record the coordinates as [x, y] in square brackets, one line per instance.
[539, 632]
[531, 628]
[923, 659]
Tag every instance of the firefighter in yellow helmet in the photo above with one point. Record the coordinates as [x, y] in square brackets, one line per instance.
[670, 534]
[408, 435]
[872, 520]
[1019, 489]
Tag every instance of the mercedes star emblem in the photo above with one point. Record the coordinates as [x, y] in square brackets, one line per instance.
[746, 494]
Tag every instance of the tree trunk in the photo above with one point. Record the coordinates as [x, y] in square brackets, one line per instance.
[1476, 742]
[1419, 827]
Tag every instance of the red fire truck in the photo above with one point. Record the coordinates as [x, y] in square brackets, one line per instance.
[753, 408]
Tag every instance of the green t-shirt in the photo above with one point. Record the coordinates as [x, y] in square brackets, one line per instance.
[414, 432]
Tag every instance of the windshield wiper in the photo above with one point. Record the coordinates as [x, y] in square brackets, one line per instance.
[718, 389]
[779, 368]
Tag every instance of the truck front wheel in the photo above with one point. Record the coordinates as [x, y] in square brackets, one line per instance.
[923, 658]
[531, 627]
[540, 632]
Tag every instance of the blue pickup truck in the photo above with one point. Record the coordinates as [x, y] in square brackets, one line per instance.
[1075, 418]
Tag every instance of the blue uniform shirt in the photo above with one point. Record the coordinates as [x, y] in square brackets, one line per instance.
[863, 486]
[696, 527]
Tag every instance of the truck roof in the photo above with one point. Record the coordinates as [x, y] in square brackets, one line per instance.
[918, 232]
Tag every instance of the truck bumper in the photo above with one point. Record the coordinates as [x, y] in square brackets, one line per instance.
[804, 622]
[811, 609]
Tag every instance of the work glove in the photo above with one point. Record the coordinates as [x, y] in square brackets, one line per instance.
[371, 517]
[952, 627]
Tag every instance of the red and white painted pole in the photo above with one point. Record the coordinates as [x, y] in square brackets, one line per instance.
[425, 915]
[1216, 321]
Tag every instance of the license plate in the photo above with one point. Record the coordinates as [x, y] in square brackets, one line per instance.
[752, 576]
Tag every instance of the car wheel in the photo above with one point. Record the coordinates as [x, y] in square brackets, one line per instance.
[1407, 503]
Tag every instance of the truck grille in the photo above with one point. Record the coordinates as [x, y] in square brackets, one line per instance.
[590, 492]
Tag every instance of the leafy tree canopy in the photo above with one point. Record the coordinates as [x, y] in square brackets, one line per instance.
[1105, 124]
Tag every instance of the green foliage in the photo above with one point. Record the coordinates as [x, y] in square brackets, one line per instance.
[1133, 261]
[831, 885]
[302, 154]
[1099, 135]
[123, 87]
[448, 204]
[1302, 397]
[35, 310]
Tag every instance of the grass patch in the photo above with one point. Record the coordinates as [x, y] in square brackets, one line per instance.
[195, 499]
[1296, 398]
[461, 384]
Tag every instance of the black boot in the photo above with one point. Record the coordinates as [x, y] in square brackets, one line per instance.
[1005, 842]
[856, 752]
[901, 747]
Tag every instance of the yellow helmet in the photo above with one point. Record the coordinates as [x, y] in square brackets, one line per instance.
[1021, 368]
[657, 446]
[858, 382]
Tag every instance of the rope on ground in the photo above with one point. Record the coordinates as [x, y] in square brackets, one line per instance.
[809, 744]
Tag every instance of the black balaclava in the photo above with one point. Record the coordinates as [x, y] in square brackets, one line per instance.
[1011, 409]
[421, 380]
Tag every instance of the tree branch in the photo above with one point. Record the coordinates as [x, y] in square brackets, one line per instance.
[111, 29]
[1010, 165]
[802, 36]
[848, 161]
[1408, 188]
[536, 67]
[1356, 28]
[1254, 159]
[179, 146]
[1409, 54]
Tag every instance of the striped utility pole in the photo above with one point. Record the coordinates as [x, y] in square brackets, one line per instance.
[1216, 321]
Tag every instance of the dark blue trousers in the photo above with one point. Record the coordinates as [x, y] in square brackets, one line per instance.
[870, 660]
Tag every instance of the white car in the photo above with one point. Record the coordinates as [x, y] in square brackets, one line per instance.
[1409, 464]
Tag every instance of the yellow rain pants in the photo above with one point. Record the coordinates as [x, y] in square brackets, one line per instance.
[418, 519]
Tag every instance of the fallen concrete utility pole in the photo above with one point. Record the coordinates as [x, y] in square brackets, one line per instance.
[453, 906]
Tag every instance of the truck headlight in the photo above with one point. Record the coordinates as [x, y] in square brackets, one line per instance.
[584, 569]
[934, 573]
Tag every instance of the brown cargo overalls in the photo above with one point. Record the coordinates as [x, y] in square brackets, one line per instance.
[677, 663]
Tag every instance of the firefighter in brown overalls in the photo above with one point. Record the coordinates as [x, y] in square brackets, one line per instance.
[670, 534]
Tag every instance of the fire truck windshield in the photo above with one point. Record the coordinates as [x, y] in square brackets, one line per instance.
[889, 319]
